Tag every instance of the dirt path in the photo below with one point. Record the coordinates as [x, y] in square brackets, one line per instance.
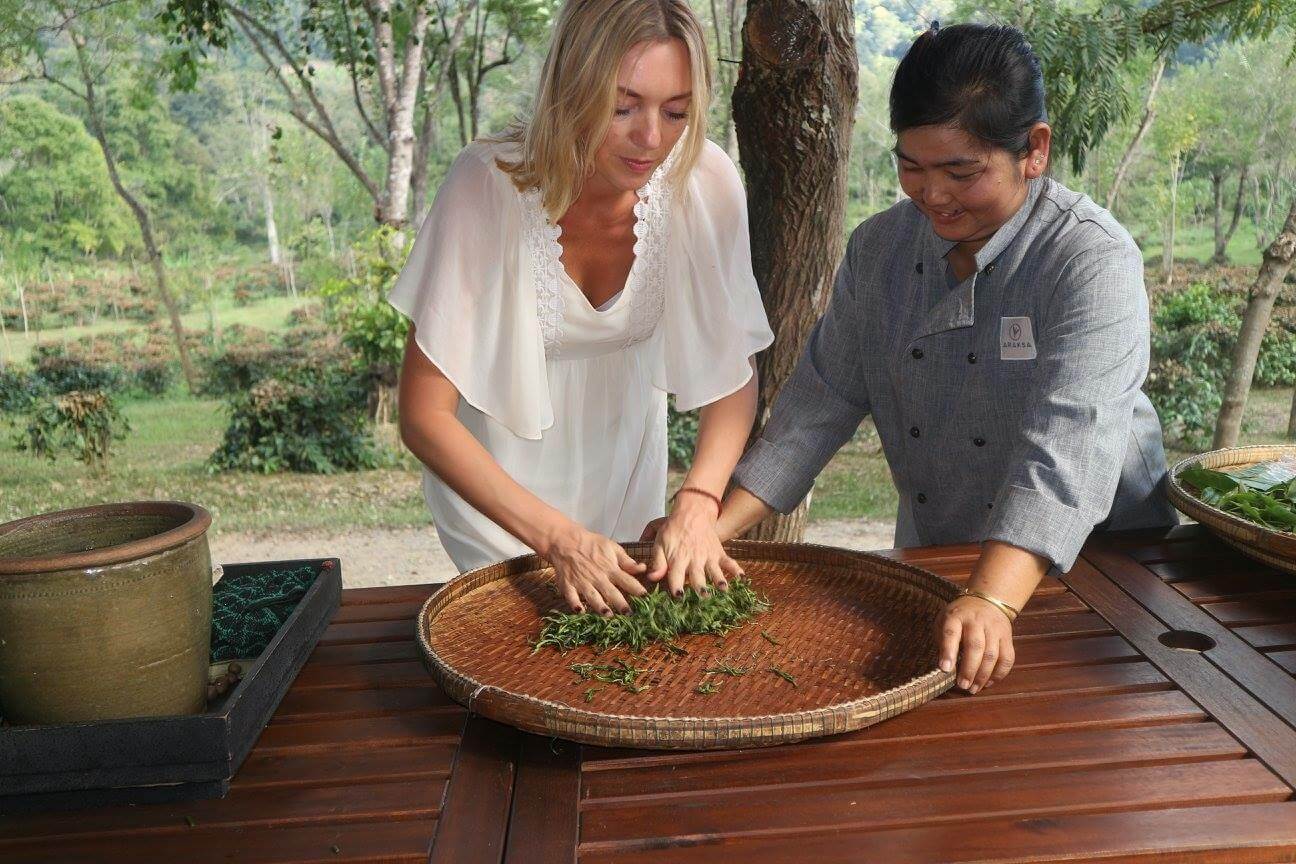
[401, 556]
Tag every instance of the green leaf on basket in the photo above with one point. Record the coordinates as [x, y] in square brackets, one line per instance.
[1204, 478]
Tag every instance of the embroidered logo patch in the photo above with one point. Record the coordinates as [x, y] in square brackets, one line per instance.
[1016, 339]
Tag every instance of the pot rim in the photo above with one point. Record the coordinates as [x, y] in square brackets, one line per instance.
[196, 521]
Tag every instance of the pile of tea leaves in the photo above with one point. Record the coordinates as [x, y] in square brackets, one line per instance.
[657, 617]
[1263, 493]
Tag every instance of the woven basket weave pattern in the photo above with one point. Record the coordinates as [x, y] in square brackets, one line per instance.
[1275, 548]
[855, 631]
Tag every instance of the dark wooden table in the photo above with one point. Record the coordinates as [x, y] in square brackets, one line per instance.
[1104, 743]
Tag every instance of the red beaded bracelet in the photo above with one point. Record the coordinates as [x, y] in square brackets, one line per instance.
[719, 504]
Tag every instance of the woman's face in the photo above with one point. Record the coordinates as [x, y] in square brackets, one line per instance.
[654, 87]
[966, 188]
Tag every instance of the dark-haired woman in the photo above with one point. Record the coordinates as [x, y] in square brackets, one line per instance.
[995, 326]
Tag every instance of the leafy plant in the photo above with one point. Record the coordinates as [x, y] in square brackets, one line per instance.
[84, 422]
[64, 372]
[309, 419]
[19, 388]
[655, 618]
[1264, 493]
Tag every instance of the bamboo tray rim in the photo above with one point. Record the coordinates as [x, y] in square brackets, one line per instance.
[689, 729]
[1193, 506]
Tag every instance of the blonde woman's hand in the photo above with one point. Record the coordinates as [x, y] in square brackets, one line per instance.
[975, 638]
[687, 550]
[593, 572]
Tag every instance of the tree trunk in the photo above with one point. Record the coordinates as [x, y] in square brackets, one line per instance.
[794, 108]
[1221, 249]
[1167, 249]
[141, 214]
[393, 207]
[271, 229]
[1149, 114]
[1217, 206]
[1277, 263]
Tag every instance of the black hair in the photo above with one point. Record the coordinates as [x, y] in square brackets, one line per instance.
[983, 79]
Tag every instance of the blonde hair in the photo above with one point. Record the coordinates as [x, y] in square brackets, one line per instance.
[578, 90]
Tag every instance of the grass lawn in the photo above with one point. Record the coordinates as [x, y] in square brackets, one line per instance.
[164, 456]
[1197, 242]
[270, 314]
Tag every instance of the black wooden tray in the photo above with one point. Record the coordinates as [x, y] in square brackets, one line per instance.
[180, 758]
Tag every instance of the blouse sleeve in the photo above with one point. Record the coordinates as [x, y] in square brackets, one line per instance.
[462, 290]
[713, 320]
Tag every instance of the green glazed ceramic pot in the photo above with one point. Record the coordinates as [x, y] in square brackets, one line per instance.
[105, 612]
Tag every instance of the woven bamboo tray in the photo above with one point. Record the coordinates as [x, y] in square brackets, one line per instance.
[1275, 548]
[856, 632]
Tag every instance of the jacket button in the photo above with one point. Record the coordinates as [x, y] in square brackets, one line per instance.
[980, 442]
[990, 506]
[972, 357]
[922, 499]
[989, 269]
[918, 267]
[913, 430]
[917, 353]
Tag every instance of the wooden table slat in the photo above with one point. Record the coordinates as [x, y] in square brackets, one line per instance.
[474, 824]
[387, 842]
[1265, 682]
[544, 826]
[1236, 834]
[885, 762]
[815, 810]
[1267, 734]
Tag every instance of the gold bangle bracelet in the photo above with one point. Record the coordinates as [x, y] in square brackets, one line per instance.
[993, 601]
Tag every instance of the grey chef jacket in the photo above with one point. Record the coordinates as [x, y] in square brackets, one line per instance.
[1008, 405]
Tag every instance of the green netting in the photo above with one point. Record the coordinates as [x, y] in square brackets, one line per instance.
[248, 610]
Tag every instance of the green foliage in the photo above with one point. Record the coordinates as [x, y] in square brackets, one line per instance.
[57, 199]
[19, 388]
[83, 422]
[358, 308]
[1263, 493]
[65, 372]
[1084, 51]
[655, 618]
[681, 435]
[1192, 332]
[309, 419]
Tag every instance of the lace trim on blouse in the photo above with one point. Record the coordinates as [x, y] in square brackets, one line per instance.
[647, 280]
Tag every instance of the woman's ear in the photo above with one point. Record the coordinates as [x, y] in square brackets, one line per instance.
[1037, 157]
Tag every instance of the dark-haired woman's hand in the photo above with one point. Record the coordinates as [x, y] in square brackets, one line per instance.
[978, 637]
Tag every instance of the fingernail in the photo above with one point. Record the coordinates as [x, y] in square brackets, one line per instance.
[946, 666]
[974, 690]
[723, 586]
[679, 593]
[964, 683]
[580, 609]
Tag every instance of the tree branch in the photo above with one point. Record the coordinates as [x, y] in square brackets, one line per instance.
[297, 110]
[374, 135]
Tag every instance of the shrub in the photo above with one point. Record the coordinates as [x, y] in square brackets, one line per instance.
[152, 377]
[18, 389]
[64, 372]
[83, 422]
[307, 418]
[1192, 336]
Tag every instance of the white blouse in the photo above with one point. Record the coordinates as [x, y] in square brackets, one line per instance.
[571, 400]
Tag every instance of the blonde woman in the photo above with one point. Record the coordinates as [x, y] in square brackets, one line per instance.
[570, 274]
